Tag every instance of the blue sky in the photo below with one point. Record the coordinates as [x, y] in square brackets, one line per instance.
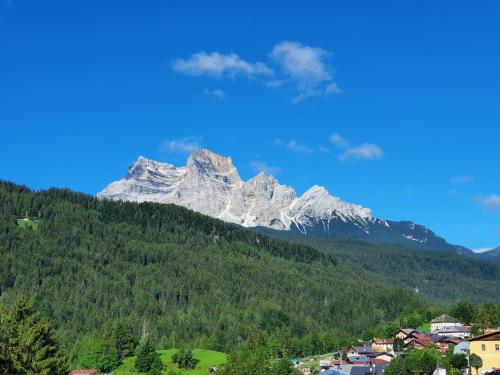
[394, 105]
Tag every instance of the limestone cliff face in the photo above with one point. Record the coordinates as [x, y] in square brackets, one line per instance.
[210, 184]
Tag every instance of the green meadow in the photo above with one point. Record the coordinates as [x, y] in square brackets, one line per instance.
[206, 358]
[27, 224]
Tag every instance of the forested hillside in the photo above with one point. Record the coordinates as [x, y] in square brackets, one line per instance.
[185, 277]
[182, 276]
[442, 275]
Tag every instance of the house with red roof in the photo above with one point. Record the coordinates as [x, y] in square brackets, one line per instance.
[418, 341]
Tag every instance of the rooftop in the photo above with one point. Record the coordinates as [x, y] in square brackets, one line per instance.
[492, 336]
[453, 329]
[362, 349]
[383, 341]
[445, 319]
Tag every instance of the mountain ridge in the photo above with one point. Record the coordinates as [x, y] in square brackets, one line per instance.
[210, 184]
[491, 254]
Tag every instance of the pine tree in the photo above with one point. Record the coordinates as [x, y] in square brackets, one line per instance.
[6, 364]
[122, 335]
[184, 359]
[148, 360]
[97, 352]
[27, 343]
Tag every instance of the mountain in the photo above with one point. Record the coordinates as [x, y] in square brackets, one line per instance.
[492, 254]
[210, 184]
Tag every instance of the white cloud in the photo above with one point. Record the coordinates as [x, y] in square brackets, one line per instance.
[306, 68]
[219, 94]
[182, 146]
[339, 141]
[490, 203]
[482, 249]
[294, 146]
[332, 88]
[324, 150]
[460, 180]
[366, 151]
[303, 63]
[275, 83]
[218, 65]
[301, 68]
[262, 166]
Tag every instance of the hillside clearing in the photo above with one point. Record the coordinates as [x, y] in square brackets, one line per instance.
[207, 359]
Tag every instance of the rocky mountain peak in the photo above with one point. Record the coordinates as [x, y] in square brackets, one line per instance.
[316, 190]
[144, 168]
[205, 161]
[210, 184]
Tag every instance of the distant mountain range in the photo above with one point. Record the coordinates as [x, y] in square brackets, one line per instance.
[210, 184]
[492, 254]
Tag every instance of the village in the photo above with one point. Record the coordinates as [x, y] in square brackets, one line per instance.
[479, 354]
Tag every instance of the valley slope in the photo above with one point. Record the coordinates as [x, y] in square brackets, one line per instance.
[198, 279]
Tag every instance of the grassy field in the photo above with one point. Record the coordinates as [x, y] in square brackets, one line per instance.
[207, 359]
[27, 224]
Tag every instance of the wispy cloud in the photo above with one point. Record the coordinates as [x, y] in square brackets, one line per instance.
[365, 151]
[498, 232]
[323, 150]
[490, 203]
[181, 146]
[339, 141]
[219, 94]
[275, 83]
[218, 65]
[460, 180]
[294, 146]
[261, 166]
[306, 68]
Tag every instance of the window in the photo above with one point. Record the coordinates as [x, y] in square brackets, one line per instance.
[497, 347]
[483, 347]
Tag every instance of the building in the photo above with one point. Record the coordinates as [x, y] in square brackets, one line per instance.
[459, 332]
[488, 348]
[383, 356]
[383, 345]
[444, 322]
[361, 351]
[418, 341]
[403, 333]
[462, 348]
[331, 372]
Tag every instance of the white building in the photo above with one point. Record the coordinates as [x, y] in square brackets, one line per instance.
[444, 322]
[459, 332]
